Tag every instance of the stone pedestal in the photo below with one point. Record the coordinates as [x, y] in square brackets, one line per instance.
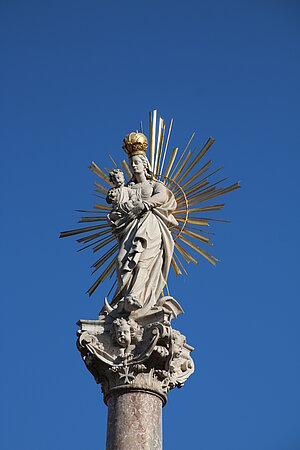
[137, 358]
[134, 421]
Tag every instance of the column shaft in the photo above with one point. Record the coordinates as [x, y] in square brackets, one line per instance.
[134, 421]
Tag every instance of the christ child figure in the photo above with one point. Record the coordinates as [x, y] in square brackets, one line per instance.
[121, 197]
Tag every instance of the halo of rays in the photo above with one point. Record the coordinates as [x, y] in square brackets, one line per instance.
[190, 181]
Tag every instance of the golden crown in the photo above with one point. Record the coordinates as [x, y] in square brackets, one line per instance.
[135, 143]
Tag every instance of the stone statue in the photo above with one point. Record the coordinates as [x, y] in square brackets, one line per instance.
[148, 214]
[141, 220]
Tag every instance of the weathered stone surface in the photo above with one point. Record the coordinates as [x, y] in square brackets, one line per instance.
[131, 352]
[134, 421]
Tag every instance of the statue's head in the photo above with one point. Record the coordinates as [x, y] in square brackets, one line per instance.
[122, 332]
[125, 332]
[116, 176]
[135, 143]
[138, 164]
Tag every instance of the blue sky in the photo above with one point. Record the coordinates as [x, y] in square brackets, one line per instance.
[75, 78]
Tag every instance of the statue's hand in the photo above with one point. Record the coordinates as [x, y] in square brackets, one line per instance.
[137, 210]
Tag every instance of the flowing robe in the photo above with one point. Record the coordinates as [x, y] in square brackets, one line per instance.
[146, 246]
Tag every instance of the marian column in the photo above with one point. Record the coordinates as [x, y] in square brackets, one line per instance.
[150, 222]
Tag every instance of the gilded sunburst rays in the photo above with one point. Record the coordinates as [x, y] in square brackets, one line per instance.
[190, 181]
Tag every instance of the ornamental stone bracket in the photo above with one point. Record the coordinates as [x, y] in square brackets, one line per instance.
[136, 352]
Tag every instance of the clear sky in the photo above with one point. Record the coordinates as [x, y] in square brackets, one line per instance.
[75, 78]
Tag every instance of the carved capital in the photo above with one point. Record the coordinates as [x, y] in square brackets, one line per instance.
[141, 353]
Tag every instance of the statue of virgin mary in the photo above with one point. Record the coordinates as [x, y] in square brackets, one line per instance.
[142, 231]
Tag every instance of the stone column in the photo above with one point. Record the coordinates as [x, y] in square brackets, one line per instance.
[134, 421]
[136, 359]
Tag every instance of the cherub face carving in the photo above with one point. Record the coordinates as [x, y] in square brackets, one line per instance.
[122, 332]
